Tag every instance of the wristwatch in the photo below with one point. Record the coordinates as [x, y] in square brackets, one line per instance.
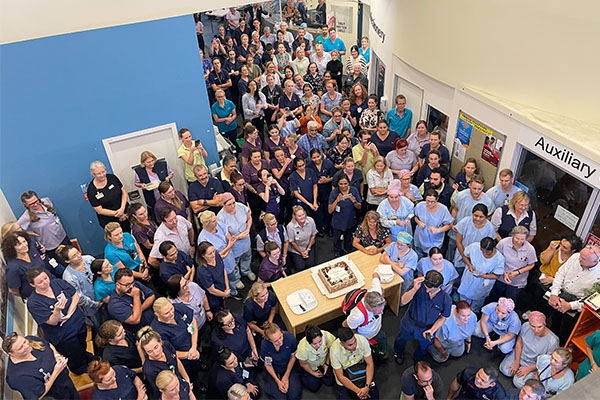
[372, 385]
[204, 202]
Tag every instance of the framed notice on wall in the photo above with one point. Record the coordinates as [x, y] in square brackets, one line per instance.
[476, 140]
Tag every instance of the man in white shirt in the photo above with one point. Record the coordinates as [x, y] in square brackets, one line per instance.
[366, 317]
[578, 274]
[176, 229]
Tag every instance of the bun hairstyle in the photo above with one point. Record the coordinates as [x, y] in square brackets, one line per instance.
[146, 335]
[488, 243]
[271, 329]
[223, 354]
[63, 252]
[108, 330]
[97, 369]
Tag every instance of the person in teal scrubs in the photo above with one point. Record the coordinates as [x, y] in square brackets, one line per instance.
[592, 349]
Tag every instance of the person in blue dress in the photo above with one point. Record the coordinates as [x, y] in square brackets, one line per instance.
[471, 229]
[396, 211]
[402, 258]
[229, 371]
[260, 308]
[499, 325]
[233, 332]
[344, 201]
[454, 337]
[211, 276]
[131, 302]
[116, 382]
[175, 262]
[171, 386]
[36, 370]
[160, 356]
[485, 265]
[436, 261]
[324, 169]
[433, 221]
[176, 324]
[303, 185]
[123, 251]
[104, 278]
[53, 306]
[429, 308]
[217, 233]
[282, 380]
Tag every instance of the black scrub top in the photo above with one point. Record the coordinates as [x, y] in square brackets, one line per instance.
[108, 197]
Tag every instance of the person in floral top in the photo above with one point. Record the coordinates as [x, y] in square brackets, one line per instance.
[370, 236]
[283, 60]
[340, 151]
[315, 79]
[370, 117]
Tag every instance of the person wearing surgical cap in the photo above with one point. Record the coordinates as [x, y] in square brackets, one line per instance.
[396, 210]
[407, 189]
[535, 339]
[499, 325]
[402, 258]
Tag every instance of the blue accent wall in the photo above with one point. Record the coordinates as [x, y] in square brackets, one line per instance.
[61, 95]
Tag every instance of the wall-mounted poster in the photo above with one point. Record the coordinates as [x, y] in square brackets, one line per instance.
[464, 130]
[492, 148]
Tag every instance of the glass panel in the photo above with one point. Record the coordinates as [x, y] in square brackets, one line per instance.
[551, 189]
[437, 120]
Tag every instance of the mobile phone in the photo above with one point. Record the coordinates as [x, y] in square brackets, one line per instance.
[428, 336]
[197, 142]
[250, 361]
[60, 297]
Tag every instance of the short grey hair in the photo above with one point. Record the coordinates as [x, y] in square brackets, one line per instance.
[312, 124]
[519, 230]
[236, 391]
[96, 164]
[374, 299]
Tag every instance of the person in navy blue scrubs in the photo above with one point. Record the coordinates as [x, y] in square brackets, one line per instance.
[176, 324]
[170, 386]
[344, 201]
[160, 356]
[303, 186]
[175, 262]
[35, 370]
[232, 331]
[131, 302]
[260, 308]
[324, 169]
[115, 382]
[118, 345]
[17, 251]
[53, 305]
[229, 371]
[211, 276]
[427, 312]
[282, 380]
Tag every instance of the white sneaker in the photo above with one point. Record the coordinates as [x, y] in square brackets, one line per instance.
[251, 276]
[525, 315]
[240, 285]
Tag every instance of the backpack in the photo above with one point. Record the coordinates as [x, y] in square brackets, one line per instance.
[354, 299]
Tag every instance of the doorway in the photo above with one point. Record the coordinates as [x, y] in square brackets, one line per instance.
[437, 120]
[414, 97]
[558, 198]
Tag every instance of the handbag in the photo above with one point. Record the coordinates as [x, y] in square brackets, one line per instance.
[357, 373]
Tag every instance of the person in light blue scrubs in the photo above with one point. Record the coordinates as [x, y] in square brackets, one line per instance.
[403, 259]
[455, 335]
[485, 265]
[499, 325]
[469, 230]
[433, 221]
[436, 261]
[396, 211]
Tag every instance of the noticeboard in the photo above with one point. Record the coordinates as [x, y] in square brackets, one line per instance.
[475, 139]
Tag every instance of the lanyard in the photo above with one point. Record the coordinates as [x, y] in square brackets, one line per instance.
[551, 374]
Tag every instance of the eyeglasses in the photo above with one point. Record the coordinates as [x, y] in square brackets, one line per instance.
[594, 251]
[230, 323]
[127, 285]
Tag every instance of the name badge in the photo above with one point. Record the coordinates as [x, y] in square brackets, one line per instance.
[277, 199]
[57, 220]
[268, 360]
[393, 217]
[190, 329]
[111, 186]
[99, 195]
[338, 208]
[53, 263]
[245, 374]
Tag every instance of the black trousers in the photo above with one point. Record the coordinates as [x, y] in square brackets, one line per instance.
[337, 242]
[300, 263]
[74, 349]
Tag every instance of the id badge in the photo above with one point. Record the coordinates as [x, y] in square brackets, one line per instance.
[245, 374]
[190, 329]
[53, 263]
[111, 187]
[486, 282]
[57, 220]
[393, 217]
[352, 356]
[277, 199]
[99, 195]
[268, 360]
[338, 209]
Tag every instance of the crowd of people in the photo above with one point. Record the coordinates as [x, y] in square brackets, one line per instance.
[317, 159]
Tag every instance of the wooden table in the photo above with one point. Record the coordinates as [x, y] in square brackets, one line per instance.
[328, 309]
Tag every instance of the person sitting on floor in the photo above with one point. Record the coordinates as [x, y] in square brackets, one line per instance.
[499, 325]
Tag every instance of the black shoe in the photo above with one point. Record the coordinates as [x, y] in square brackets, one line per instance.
[237, 297]
[399, 359]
